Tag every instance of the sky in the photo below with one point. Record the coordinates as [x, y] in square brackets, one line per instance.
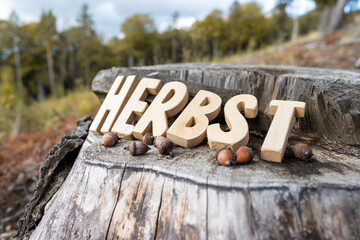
[108, 15]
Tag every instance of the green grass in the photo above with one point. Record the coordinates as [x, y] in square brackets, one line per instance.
[46, 114]
[49, 113]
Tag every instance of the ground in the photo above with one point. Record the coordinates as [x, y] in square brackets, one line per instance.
[23, 154]
[336, 51]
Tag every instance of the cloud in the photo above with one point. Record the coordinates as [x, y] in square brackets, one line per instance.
[185, 22]
[5, 9]
[298, 8]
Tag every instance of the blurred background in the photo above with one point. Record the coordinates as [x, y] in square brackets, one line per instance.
[51, 50]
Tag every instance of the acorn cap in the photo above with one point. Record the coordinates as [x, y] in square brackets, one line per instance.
[113, 134]
[138, 148]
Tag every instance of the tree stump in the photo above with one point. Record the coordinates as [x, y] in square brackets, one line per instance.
[110, 194]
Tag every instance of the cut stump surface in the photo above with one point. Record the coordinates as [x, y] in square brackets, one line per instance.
[110, 194]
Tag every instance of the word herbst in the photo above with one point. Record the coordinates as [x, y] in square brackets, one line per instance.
[125, 113]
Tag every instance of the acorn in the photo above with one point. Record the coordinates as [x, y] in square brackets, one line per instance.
[302, 151]
[137, 148]
[109, 139]
[148, 139]
[244, 155]
[166, 147]
[225, 156]
[159, 140]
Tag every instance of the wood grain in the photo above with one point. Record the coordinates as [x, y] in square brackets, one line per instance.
[110, 194]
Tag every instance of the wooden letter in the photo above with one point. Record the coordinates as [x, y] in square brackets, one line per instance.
[114, 103]
[276, 138]
[135, 107]
[189, 129]
[239, 129]
[171, 99]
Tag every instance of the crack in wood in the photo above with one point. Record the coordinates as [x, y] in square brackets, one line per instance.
[207, 209]
[164, 173]
[158, 211]
[117, 200]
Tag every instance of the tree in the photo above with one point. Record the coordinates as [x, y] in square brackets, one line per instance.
[10, 39]
[118, 52]
[235, 14]
[12, 34]
[175, 17]
[139, 31]
[63, 44]
[210, 32]
[249, 27]
[87, 34]
[309, 22]
[332, 14]
[47, 33]
[282, 21]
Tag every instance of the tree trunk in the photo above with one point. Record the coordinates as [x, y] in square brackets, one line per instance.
[214, 49]
[19, 83]
[50, 65]
[142, 61]
[131, 58]
[173, 49]
[17, 125]
[325, 18]
[295, 30]
[110, 194]
[331, 17]
[63, 66]
[87, 70]
[336, 16]
[72, 66]
[41, 91]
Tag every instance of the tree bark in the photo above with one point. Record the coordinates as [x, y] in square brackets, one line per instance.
[52, 175]
[110, 194]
